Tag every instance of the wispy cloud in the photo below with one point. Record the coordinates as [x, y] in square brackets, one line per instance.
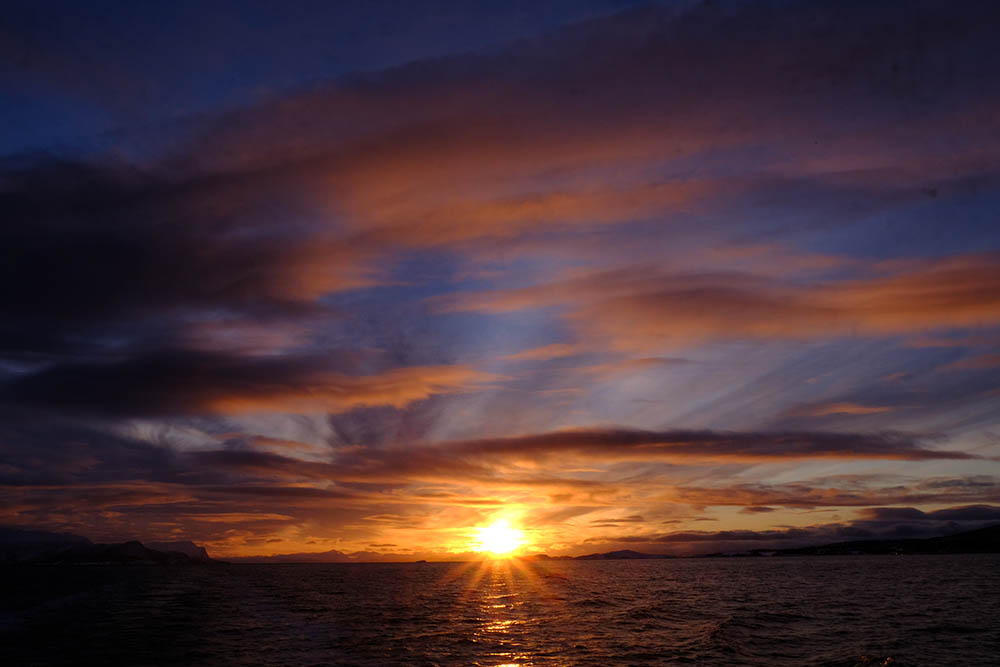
[645, 308]
[698, 262]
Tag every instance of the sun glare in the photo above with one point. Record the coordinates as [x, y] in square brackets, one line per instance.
[498, 538]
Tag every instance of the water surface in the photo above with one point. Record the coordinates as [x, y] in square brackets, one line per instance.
[861, 610]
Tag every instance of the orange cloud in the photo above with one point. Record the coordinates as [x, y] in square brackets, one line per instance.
[333, 392]
[804, 496]
[546, 352]
[454, 218]
[563, 134]
[705, 446]
[981, 362]
[185, 382]
[825, 409]
[645, 308]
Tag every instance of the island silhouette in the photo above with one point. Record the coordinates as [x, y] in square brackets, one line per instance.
[26, 547]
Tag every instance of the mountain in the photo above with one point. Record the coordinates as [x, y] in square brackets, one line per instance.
[41, 547]
[18, 545]
[625, 554]
[125, 553]
[979, 541]
[983, 540]
[332, 556]
[187, 548]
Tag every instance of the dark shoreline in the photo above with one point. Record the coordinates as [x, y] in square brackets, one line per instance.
[83, 552]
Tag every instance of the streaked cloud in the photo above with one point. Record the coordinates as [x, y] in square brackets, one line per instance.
[646, 308]
[193, 383]
[690, 264]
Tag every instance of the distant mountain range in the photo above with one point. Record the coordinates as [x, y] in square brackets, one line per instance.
[185, 547]
[624, 554]
[39, 547]
[19, 546]
[332, 556]
[983, 540]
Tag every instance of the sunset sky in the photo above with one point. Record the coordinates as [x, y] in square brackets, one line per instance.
[676, 277]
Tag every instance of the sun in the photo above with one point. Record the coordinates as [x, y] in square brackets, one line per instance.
[498, 538]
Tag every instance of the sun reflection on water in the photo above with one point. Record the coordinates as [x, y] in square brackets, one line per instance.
[506, 626]
[500, 597]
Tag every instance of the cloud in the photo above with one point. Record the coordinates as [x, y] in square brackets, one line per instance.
[662, 178]
[628, 444]
[528, 138]
[105, 257]
[975, 340]
[87, 479]
[824, 409]
[966, 513]
[646, 308]
[980, 362]
[817, 495]
[756, 509]
[238, 238]
[527, 463]
[198, 383]
[626, 366]
[873, 523]
[520, 140]
[545, 352]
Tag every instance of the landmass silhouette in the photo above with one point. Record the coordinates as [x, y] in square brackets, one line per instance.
[38, 547]
[19, 546]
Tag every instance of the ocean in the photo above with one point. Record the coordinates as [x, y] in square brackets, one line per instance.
[849, 610]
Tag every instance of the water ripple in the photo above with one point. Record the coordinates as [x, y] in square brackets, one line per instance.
[822, 612]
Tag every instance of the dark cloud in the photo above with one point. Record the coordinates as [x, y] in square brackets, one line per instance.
[818, 494]
[497, 462]
[611, 523]
[95, 253]
[680, 445]
[90, 478]
[195, 383]
[270, 260]
[645, 308]
[901, 514]
[875, 523]
[269, 208]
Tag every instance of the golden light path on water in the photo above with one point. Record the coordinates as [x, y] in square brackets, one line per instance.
[500, 588]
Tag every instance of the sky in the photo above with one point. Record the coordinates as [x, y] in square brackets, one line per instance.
[678, 277]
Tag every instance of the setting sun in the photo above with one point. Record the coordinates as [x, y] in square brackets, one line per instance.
[498, 538]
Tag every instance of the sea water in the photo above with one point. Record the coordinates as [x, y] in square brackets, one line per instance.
[850, 610]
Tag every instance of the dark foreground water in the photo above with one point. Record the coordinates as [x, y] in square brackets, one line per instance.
[862, 610]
